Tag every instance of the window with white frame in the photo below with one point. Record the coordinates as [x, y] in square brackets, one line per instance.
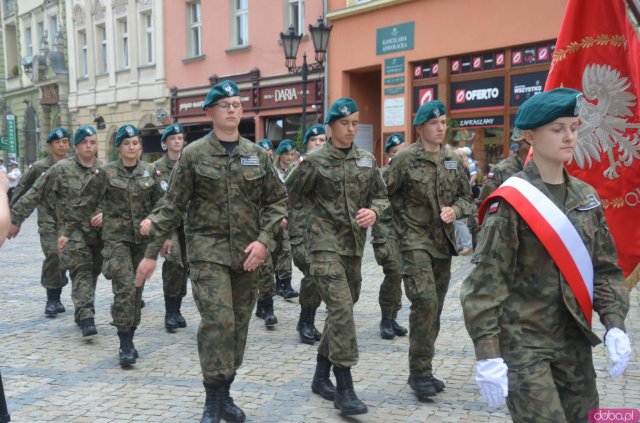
[296, 15]
[241, 22]
[101, 49]
[195, 29]
[39, 34]
[123, 43]
[83, 54]
[146, 41]
[28, 41]
[52, 30]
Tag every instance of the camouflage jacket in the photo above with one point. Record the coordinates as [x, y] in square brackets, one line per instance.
[296, 216]
[385, 226]
[418, 189]
[163, 167]
[233, 200]
[333, 187]
[516, 295]
[127, 198]
[500, 173]
[46, 213]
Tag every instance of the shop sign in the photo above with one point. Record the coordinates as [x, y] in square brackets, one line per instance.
[394, 65]
[394, 91]
[287, 95]
[395, 38]
[394, 80]
[422, 95]
[192, 105]
[478, 94]
[12, 137]
[526, 86]
[482, 122]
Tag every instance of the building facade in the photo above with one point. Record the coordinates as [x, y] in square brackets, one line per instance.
[117, 68]
[482, 59]
[35, 86]
[210, 41]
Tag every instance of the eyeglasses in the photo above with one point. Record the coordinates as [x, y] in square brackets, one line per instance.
[225, 106]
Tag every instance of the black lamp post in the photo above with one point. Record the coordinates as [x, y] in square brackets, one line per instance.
[291, 42]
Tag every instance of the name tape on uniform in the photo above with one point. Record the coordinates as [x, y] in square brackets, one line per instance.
[450, 164]
[250, 161]
[364, 163]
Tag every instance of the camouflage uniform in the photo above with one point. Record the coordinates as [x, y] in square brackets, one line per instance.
[233, 200]
[175, 269]
[63, 188]
[385, 249]
[518, 306]
[420, 184]
[127, 198]
[52, 276]
[334, 186]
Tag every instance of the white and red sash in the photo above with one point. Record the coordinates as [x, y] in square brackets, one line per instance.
[555, 231]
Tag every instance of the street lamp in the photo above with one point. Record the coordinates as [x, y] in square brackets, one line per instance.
[291, 42]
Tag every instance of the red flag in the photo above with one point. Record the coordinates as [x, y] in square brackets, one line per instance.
[598, 53]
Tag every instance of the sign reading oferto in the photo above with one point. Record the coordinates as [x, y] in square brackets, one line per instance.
[395, 38]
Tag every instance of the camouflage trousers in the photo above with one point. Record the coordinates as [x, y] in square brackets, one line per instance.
[279, 260]
[390, 296]
[225, 299]
[175, 269]
[309, 295]
[549, 385]
[426, 281]
[338, 279]
[83, 261]
[121, 260]
[53, 275]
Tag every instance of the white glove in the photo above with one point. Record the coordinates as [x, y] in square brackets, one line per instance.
[491, 376]
[619, 349]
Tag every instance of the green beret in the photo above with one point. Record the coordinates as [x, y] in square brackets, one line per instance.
[342, 107]
[57, 134]
[173, 129]
[548, 106]
[82, 132]
[222, 89]
[429, 110]
[125, 131]
[266, 144]
[285, 146]
[392, 141]
[316, 129]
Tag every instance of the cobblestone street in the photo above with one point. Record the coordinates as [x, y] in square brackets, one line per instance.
[51, 373]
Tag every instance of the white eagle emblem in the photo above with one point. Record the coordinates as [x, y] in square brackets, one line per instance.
[345, 110]
[130, 131]
[604, 112]
[228, 89]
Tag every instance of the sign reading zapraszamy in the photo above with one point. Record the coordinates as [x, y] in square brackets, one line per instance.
[523, 87]
[478, 94]
[391, 39]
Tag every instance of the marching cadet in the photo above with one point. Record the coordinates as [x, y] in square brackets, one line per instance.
[175, 269]
[385, 249]
[127, 189]
[236, 204]
[545, 261]
[343, 194]
[428, 190]
[79, 246]
[267, 145]
[53, 277]
[309, 298]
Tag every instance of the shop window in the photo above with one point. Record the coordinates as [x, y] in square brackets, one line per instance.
[241, 22]
[424, 70]
[281, 127]
[532, 54]
[486, 145]
[477, 62]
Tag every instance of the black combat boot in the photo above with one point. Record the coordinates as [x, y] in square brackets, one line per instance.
[59, 306]
[321, 384]
[279, 287]
[260, 308]
[88, 327]
[270, 320]
[126, 349]
[133, 347]
[179, 318]
[422, 387]
[386, 329]
[346, 399]
[212, 412]
[50, 310]
[170, 305]
[305, 326]
[398, 330]
[437, 383]
[316, 332]
[287, 290]
[231, 412]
